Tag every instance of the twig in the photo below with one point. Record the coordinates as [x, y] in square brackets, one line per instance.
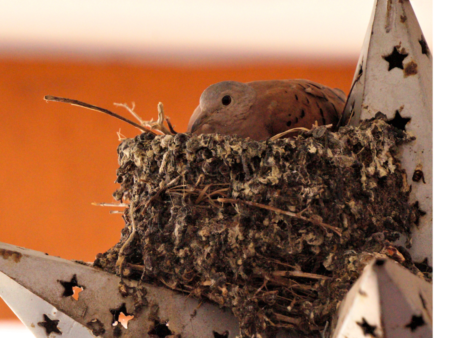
[136, 267]
[324, 332]
[171, 286]
[280, 135]
[262, 287]
[291, 305]
[95, 108]
[211, 201]
[202, 193]
[131, 111]
[296, 295]
[121, 136]
[160, 191]
[287, 282]
[136, 116]
[288, 213]
[121, 258]
[276, 261]
[200, 180]
[298, 274]
[129, 268]
[287, 319]
[158, 125]
[114, 205]
[170, 125]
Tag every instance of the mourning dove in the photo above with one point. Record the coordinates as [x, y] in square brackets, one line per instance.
[262, 109]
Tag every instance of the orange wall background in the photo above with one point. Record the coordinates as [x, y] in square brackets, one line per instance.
[56, 159]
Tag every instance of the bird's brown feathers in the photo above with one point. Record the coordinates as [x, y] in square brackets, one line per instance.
[270, 108]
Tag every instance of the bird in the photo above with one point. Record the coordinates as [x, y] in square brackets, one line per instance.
[262, 109]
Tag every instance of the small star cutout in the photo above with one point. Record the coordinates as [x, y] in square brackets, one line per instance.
[424, 45]
[160, 330]
[50, 325]
[416, 321]
[120, 315]
[360, 72]
[398, 121]
[395, 59]
[71, 288]
[367, 328]
[96, 327]
[221, 335]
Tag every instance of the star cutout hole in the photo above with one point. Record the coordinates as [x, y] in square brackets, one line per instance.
[416, 321]
[368, 330]
[50, 326]
[398, 121]
[221, 335]
[160, 329]
[395, 59]
[120, 315]
[424, 46]
[96, 327]
[71, 288]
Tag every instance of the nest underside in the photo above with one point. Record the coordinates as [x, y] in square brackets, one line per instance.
[277, 230]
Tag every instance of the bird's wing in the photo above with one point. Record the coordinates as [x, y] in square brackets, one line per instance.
[287, 104]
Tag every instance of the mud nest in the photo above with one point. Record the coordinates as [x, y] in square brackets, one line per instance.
[277, 230]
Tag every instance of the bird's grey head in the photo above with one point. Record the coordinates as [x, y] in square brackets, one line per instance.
[222, 106]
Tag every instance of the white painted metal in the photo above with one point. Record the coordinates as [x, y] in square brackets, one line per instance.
[356, 306]
[30, 308]
[29, 283]
[394, 29]
[386, 301]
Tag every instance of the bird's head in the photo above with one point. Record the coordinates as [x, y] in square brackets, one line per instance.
[222, 107]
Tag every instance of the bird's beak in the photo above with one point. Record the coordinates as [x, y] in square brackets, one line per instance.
[194, 118]
[197, 123]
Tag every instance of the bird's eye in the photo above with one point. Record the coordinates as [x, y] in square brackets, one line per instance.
[226, 100]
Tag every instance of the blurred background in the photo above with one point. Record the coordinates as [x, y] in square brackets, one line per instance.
[57, 159]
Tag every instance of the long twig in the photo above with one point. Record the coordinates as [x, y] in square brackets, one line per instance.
[114, 205]
[288, 213]
[95, 108]
[298, 274]
[276, 261]
[289, 283]
[293, 130]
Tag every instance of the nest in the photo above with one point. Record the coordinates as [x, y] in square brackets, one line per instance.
[277, 230]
